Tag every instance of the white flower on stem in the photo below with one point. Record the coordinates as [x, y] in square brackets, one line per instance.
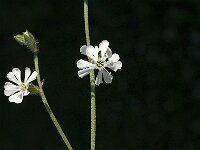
[99, 58]
[19, 89]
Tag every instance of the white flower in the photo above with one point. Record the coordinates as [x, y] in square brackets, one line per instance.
[100, 58]
[16, 92]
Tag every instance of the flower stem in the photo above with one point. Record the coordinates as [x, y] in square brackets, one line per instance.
[48, 108]
[87, 33]
[92, 81]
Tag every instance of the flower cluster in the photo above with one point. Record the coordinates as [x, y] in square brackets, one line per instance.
[19, 89]
[99, 58]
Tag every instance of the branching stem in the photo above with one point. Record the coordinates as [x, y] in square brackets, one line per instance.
[48, 108]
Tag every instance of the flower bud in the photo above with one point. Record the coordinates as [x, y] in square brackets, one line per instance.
[30, 41]
[20, 39]
[27, 39]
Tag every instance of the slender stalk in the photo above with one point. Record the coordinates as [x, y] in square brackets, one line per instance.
[93, 110]
[92, 81]
[48, 108]
[87, 33]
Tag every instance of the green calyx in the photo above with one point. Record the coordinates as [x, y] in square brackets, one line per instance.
[33, 89]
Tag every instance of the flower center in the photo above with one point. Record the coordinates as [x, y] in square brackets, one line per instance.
[100, 63]
[23, 87]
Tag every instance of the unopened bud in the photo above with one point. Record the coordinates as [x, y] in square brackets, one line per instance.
[30, 41]
[27, 39]
[20, 39]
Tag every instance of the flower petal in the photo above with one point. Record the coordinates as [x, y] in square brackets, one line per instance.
[12, 78]
[87, 50]
[17, 73]
[10, 86]
[10, 89]
[32, 77]
[83, 49]
[85, 72]
[115, 66]
[27, 74]
[109, 53]
[16, 98]
[103, 46]
[92, 52]
[107, 76]
[99, 78]
[82, 64]
[114, 58]
[25, 93]
[96, 53]
[13, 97]
[10, 92]
[19, 98]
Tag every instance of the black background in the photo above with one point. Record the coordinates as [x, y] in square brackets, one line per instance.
[153, 101]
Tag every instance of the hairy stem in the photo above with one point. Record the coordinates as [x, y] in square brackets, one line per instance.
[92, 80]
[93, 110]
[87, 33]
[48, 108]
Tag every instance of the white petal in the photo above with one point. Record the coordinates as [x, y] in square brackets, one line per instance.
[109, 53]
[17, 73]
[87, 50]
[83, 49]
[85, 72]
[10, 92]
[27, 73]
[32, 77]
[115, 66]
[107, 76]
[103, 46]
[25, 93]
[12, 78]
[10, 86]
[114, 58]
[82, 64]
[17, 98]
[10, 89]
[96, 53]
[13, 97]
[99, 78]
[90, 51]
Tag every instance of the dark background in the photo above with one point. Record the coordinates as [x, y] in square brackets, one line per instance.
[153, 101]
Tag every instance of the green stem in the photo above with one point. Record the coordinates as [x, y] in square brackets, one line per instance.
[48, 108]
[87, 33]
[93, 110]
[92, 81]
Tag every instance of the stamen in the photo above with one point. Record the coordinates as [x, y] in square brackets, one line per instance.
[23, 87]
[100, 63]
[107, 71]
